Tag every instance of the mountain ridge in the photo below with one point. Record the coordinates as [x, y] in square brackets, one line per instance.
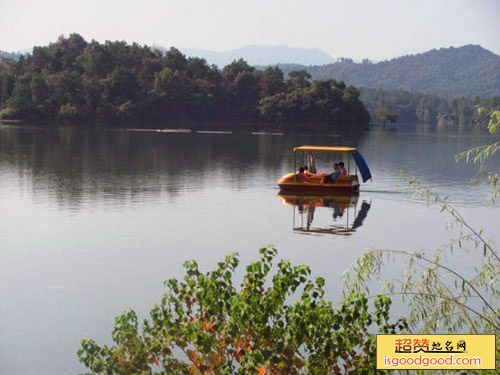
[470, 70]
[262, 55]
[10, 55]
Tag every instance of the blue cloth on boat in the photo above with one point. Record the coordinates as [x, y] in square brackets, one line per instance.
[362, 166]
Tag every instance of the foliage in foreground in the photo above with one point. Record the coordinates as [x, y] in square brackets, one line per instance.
[440, 296]
[203, 325]
[479, 155]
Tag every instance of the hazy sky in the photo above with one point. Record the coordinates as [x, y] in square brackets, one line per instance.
[377, 29]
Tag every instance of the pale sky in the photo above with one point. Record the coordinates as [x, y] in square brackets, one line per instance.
[375, 29]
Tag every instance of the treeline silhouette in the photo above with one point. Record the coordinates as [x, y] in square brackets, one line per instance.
[79, 81]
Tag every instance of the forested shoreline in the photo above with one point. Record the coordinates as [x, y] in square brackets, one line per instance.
[431, 109]
[76, 81]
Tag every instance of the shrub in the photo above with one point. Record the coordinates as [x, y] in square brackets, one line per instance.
[7, 113]
[68, 112]
[204, 325]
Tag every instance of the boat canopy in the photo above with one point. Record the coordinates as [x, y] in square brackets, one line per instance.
[324, 149]
[358, 158]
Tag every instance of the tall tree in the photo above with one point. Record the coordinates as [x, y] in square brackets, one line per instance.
[299, 78]
[385, 115]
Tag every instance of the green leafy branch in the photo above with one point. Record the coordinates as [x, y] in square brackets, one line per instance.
[204, 325]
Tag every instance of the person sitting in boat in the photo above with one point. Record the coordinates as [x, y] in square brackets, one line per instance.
[342, 168]
[332, 177]
[306, 172]
[301, 177]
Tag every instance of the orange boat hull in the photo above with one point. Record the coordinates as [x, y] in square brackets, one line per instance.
[346, 185]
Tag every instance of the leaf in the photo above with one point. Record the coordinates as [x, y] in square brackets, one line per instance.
[207, 325]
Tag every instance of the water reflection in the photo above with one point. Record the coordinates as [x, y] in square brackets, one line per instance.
[72, 167]
[337, 215]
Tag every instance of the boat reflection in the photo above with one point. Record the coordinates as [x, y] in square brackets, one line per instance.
[338, 215]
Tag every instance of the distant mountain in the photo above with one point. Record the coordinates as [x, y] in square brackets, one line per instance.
[263, 55]
[465, 71]
[10, 55]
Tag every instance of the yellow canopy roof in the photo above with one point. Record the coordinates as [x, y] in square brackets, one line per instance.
[325, 149]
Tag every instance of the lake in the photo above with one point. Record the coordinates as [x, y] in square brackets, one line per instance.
[94, 220]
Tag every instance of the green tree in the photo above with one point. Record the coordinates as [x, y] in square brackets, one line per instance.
[231, 71]
[40, 95]
[204, 325]
[96, 60]
[197, 68]
[7, 82]
[175, 60]
[299, 78]
[68, 112]
[40, 59]
[271, 81]
[21, 100]
[73, 47]
[385, 115]
[173, 88]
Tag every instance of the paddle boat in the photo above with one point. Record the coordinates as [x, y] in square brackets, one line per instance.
[314, 183]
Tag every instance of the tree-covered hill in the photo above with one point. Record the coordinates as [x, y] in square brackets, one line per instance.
[465, 71]
[76, 80]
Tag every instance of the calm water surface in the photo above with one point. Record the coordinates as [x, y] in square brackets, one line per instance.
[93, 221]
